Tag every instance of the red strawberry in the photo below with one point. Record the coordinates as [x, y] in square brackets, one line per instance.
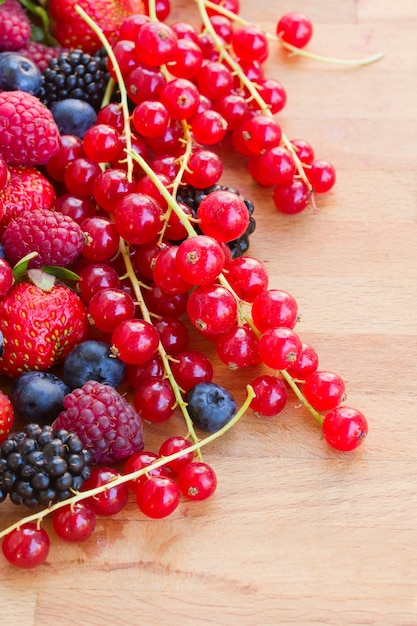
[15, 28]
[28, 133]
[70, 30]
[6, 416]
[39, 327]
[26, 189]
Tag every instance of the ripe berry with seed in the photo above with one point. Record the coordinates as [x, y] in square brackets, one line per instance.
[135, 341]
[197, 481]
[279, 347]
[39, 327]
[344, 428]
[212, 309]
[26, 189]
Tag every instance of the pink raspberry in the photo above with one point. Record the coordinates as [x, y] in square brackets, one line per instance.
[41, 54]
[28, 133]
[56, 237]
[106, 423]
[15, 28]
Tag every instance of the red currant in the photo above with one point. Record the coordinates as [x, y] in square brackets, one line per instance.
[154, 400]
[197, 481]
[173, 445]
[199, 260]
[324, 390]
[158, 497]
[270, 395]
[295, 28]
[74, 522]
[113, 498]
[135, 341]
[344, 428]
[212, 309]
[279, 347]
[223, 215]
[26, 547]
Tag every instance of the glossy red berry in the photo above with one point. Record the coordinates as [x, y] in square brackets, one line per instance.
[135, 341]
[158, 497]
[101, 238]
[291, 198]
[344, 428]
[212, 309]
[324, 390]
[173, 445]
[270, 395]
[156, 44]
[279, 347]
[200, 260]
[101, 143]
[26, 547]
[223, 215]
[154, 400]
[322, 175]
[109, 307]
[295, 28]
[138, 218]
[274, 307]
[111, 500]
[139, 461]
[306, 364]
[197, 481]
[74, 522]
[248, 277]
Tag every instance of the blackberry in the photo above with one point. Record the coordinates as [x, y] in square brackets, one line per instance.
[192, 197]
[41, 465]
[75, 74]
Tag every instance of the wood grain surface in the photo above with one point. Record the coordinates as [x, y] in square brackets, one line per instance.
[296, 533]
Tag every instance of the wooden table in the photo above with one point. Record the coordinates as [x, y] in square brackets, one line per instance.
[296, 533]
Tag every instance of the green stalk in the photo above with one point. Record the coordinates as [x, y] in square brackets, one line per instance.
[124, 478]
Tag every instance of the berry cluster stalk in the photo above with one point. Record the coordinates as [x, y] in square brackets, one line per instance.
[125, 478]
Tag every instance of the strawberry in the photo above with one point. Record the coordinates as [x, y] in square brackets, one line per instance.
[6, 416]
[26, 189]
[39, 327]
[70, 30]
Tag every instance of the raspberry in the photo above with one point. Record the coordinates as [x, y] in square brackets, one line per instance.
[40, 54]
[41, 465]
[28, 132]
[106, 423]
[56, 237]
[15, 28]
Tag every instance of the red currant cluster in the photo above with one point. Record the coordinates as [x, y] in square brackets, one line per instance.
[187, 91]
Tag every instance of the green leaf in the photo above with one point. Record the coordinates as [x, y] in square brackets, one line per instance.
[62, 273]
[20, 270]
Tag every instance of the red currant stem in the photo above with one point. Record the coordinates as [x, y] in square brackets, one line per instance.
[124, 478]
[220, 9]
[122, 88]
[296, 51]
[325, 59]
[249, 86]
[172, 204]
[152, 11]
[165, 360]
[291, 383]
[108, 93]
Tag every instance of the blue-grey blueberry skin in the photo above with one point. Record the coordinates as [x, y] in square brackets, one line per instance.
[210, 406]
[18, 73]
[38, 396]
[73, 117]
[92, 360]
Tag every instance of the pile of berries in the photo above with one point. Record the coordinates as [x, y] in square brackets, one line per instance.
[119, 242]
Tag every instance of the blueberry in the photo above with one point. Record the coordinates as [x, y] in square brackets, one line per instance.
[19, 73]
[38, 396]
[210, 406]
[92, 360]
[73, 117]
